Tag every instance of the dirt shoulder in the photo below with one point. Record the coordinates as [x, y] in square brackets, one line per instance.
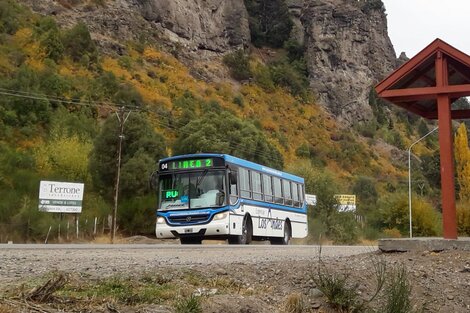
[440, 281]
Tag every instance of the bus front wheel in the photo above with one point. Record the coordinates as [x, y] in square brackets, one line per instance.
[247, 233]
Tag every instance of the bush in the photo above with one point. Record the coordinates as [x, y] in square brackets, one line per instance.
[239, 65]
[78, 43]
[343, 294]
[394, 214]
[295, 303]
[291, 76]
[463, 217]
[398, 292]
[191, 304]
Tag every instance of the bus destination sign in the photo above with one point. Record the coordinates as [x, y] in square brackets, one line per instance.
[187, 164]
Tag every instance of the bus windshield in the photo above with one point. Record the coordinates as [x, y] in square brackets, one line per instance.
[180, 191]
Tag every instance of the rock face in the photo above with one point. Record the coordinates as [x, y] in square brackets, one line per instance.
[214, 25]
[347, 46]
[193, 25]
[348, 51]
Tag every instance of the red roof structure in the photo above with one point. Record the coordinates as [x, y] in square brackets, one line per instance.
[427, 85]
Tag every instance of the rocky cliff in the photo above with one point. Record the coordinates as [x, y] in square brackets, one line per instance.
[348, 51]
[347, 45]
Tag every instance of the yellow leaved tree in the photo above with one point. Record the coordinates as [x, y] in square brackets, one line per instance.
[462, 164]
[462, 161]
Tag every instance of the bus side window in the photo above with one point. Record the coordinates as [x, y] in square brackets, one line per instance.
[267, 188]
[295, 194]
[277, 190]
[301, 195]
[245, 183]
[287, 192]
[233, 187]
[256, 185]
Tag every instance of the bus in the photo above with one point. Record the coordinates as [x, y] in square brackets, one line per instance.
[218, 196]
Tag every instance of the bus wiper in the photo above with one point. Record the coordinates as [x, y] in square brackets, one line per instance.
[201, 178]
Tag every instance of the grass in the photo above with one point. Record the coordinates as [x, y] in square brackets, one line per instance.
[295, 303]
[191, 304]
[122, 290]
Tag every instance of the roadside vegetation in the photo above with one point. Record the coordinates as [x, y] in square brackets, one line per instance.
[59, 95]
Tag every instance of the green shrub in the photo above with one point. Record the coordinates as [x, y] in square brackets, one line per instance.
[239, 64]
[398, 292]
[78, 43]
[394, 214]
[191, 304]
[10, 13]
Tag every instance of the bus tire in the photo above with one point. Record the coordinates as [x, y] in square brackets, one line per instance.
[284, 240]
[247, 233]
[191, 240]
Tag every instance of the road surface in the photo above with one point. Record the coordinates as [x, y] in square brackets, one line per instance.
[23, 261]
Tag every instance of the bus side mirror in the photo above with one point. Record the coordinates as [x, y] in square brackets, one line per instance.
[233, 178]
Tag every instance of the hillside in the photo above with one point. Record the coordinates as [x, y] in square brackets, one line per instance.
[218, 87]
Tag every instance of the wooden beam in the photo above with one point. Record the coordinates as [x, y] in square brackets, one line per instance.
[455, 114]
[425, 93]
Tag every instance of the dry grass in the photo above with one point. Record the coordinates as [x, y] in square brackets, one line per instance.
[295, 303]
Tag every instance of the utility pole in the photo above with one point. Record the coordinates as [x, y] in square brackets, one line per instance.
[122, 118]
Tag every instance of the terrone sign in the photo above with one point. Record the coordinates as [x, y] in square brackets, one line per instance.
[60, 197]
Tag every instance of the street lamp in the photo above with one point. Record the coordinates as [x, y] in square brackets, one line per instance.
[409, 176]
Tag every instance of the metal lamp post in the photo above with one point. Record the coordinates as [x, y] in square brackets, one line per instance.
[409, 176]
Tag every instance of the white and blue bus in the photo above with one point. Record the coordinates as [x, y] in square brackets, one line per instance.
[218, 196]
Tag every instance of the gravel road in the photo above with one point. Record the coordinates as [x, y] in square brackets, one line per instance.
[19, 262]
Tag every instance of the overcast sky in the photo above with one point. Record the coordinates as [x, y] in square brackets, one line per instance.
[413, 24]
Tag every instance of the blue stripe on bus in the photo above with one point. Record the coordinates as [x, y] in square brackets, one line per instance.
[302, 210]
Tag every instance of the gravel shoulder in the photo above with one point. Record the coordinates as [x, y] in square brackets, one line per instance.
[247, 278]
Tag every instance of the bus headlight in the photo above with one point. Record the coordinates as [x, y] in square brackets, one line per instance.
[161, 220]
[220, 216]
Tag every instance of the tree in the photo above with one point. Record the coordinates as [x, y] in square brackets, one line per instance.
[462, 160]
[430, 167]
[142, 147]
[78, 43]
[222, 132]
[364, 189]
[270, 22]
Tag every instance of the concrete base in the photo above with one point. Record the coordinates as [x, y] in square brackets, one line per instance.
[423, 244]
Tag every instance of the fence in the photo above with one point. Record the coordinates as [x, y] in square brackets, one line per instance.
[66, 230]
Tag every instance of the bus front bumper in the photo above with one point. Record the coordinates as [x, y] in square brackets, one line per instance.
[214, 228]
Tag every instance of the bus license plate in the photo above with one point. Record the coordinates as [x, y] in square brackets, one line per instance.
[188, 230]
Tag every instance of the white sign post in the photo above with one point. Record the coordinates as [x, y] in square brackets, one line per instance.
[60, 197]
[311, 199]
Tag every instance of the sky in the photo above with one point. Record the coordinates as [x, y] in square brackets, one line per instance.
[413, 24]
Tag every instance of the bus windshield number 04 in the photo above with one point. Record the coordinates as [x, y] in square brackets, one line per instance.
[187, 164]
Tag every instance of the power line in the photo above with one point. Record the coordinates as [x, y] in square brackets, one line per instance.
[115, 107]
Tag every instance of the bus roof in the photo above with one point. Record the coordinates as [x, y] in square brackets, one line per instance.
[240, 162]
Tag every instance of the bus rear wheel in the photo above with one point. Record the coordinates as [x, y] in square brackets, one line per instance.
[284, 240]
[191, 240]
[246, 236]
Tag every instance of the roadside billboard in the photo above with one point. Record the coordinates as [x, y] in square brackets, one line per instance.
[346, 203]
[60, 197]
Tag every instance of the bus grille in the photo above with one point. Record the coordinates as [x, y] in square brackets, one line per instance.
[189, 219]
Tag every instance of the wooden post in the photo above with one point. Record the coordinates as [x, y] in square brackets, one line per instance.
[447, 168]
